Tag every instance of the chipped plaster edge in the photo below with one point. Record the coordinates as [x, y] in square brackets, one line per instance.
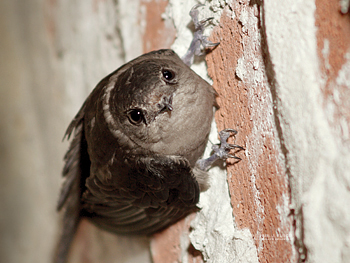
[214, 231]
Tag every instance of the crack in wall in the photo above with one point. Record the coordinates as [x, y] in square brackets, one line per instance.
[298, 227]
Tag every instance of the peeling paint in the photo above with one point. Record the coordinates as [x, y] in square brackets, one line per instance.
[214, 230]
[344, 6]
[282, 72]
[309, 112]
[258, 184]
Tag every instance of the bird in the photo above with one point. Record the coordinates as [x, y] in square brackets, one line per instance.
[133, 166]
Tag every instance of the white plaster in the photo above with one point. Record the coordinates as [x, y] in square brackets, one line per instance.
[214, 232]
[325, 53]
[214, 229]
[251, 71]
[343, 77]
[240, 71]
[344, 6]
[337, 103]
[179, 12]
[318, 159]
[131, 32]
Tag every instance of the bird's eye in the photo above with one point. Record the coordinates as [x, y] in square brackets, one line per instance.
[168, 75]
[135, 116]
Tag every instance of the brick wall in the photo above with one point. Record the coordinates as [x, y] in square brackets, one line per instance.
[282, 74]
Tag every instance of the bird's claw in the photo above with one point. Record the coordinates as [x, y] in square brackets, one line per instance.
[200, 42]
[194, 13]
[233, 156]
[223, 152]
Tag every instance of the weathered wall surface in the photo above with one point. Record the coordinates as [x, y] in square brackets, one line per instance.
[282, 72]
[309, 52]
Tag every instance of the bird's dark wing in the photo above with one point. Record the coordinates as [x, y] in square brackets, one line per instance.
[157, 192]
[76, 169]
[77, 161]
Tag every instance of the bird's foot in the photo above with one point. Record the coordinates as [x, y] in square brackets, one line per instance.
[200, 42]
[222, 151]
